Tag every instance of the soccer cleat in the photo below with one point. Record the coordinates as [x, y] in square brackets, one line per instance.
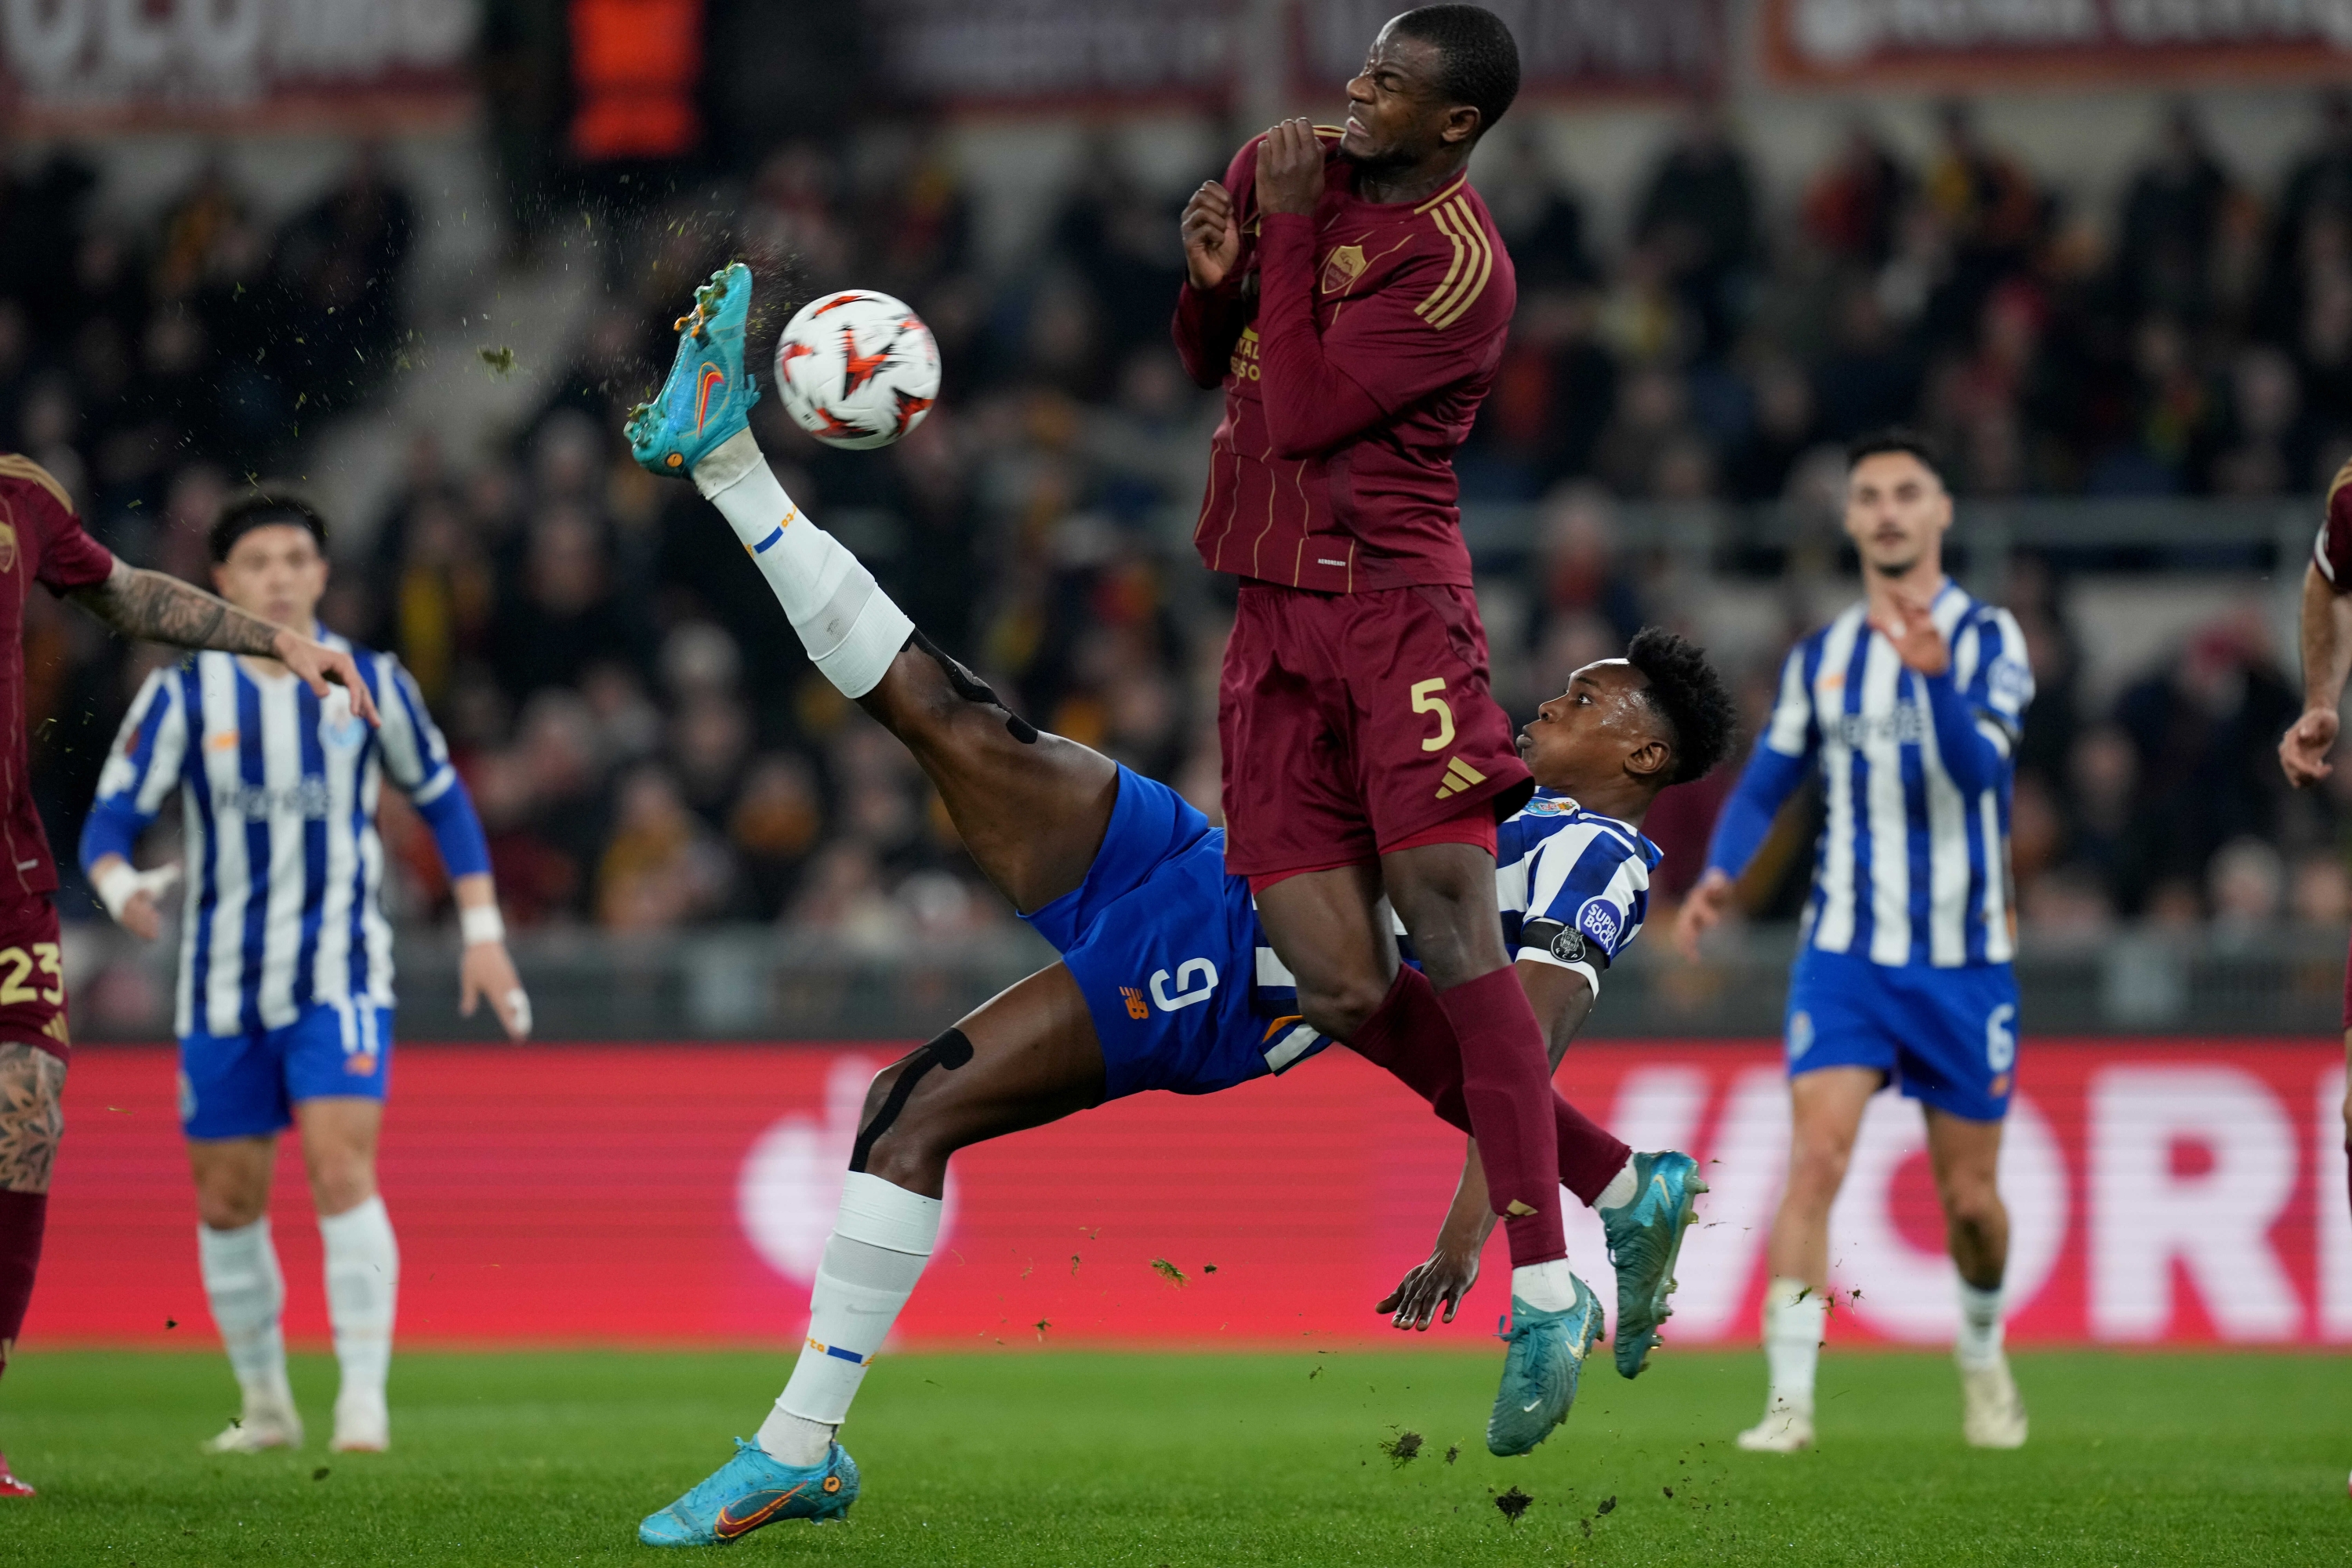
[1992, 1414]
[9, 1484]
[1540, 1370]
[750, 1490]
[266, 1423]
[1787, 1428]
[362, 1425]
[1645, 1236]
[710, 394]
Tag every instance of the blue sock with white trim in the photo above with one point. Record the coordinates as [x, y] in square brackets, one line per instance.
[881, 1239]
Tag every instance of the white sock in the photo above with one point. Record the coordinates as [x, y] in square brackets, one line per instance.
[847, 622]
[1793, 1319]
[1621, 1189]
[1546, 1286]
[1981, 1326]
[881, 1239]
[248, 1294]
[363, 1287]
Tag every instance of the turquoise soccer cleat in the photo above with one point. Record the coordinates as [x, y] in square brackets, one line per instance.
[750, 1490]
[1540, 1370]
[708, 395]
[1645, 1236]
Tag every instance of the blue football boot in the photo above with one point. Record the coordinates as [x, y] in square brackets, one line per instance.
[1645, 1236]
[752, 1489]
[1540, 1370]
[708, 394]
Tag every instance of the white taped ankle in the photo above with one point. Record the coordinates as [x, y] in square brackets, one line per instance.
[1794, 1317]
[1546, 1286]
[882, 1237]
[1621, 1189]
[248, 1294]
[362, 1293]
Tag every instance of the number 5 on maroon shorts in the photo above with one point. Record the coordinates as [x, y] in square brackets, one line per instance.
[1353, 720]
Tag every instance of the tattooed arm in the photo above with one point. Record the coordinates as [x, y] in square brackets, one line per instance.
[161, 608]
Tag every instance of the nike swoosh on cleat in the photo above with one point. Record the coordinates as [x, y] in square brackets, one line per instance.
[710, 374]
[730, 1525]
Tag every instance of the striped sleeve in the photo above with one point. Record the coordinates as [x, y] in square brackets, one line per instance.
[1588, 894]
[141, 770]
[1992, 667]
[414, 756]
[1790, 730]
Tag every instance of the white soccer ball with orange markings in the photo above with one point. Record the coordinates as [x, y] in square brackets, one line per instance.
[857, 369]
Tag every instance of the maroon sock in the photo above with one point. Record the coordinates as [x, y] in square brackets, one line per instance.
[1410, 1035]
[1590, 1156]
[23, 1218]
[1506, 1085]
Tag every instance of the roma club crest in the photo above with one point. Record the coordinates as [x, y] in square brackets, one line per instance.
[1342, 268]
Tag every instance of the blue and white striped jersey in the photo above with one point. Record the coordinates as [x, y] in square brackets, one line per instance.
[285, 870]
[1574, 885]
[1912, 865]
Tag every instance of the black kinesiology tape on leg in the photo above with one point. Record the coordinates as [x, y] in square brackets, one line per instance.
[950, 1051]
[971, 688]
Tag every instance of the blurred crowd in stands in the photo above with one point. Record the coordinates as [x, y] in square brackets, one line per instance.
[650, 748]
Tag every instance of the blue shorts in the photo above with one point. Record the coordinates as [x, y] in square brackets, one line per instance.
[1947, 1038]
[247, 1084]
[1163, 945]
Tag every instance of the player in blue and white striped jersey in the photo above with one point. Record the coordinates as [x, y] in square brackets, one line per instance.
[285, 1003]
[1908, 707]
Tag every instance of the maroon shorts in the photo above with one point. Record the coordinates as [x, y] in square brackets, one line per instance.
[1353, 722]
[33, 978]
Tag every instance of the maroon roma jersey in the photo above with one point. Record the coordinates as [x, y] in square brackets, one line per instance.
[1354, 348]
[2332, 551]
[40, 541]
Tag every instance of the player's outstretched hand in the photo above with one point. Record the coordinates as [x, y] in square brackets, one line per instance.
[1290, 169]
[1212, 241]
[1443, 1281]
[320, 666]
[133, 898]
[2303, 750]
[1703, 910]
[485, 971]
[1911, 627]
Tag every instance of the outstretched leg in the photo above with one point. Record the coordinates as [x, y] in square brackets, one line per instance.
[1027, 1057]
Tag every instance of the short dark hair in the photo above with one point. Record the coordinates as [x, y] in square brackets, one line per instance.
[264, 508]
[1687, 693]
[1479, 60]
[1894, 439]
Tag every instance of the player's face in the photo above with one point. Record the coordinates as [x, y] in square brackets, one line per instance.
[275, 572]
[1895, 512]
[1396, 116]
[1586, 734]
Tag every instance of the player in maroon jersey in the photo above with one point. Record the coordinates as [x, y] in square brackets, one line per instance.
[2326, 659]
[1348, 292]
[42, 540]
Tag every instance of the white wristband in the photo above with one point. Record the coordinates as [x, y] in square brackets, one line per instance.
[480, 924]
[118, 884]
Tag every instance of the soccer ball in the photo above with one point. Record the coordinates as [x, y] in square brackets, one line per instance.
[857, 369]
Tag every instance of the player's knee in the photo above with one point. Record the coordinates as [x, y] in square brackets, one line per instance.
[341, 1183]
[1340, 1007]
[1816, 1172]
[32, 1116]
[1974, 1203]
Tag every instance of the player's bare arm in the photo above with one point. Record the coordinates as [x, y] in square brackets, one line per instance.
[1562, 1001]
[2326, 639]
[161, 608]
[486, 971]
[32, 1116]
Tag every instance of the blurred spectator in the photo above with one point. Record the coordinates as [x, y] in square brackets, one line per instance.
[2171, 221]
[1850, 209]
[1699, 214]
[661, 868]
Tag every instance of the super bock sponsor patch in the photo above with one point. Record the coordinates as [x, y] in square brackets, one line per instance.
[1600, 920]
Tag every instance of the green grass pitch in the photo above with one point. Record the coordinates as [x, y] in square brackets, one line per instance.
[1193, 1460]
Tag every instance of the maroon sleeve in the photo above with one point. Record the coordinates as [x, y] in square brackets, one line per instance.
[1312, 405]
[64, 557]
[1209, 322]
[2332, 551]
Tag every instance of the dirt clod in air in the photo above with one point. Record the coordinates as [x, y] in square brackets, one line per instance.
[501, 360]
[1316, 1374]
[1170, 1272]
[1668, 1490]
[1208, 1269]
[319, 1474]
[1513, 1503]
[1404, 1447]
[1453, 1452]
[1041, 1325]
[1606, 1504]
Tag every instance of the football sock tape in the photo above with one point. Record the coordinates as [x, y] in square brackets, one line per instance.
[971, 688]
[950, 1050]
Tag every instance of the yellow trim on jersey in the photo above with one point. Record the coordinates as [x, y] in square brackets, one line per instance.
[1465, 279]
[15, 466]
[1459, 181]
